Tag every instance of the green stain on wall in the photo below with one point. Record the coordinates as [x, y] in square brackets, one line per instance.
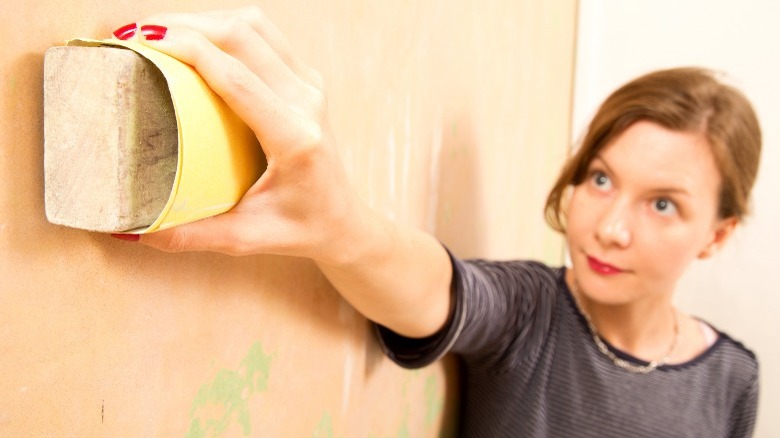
[325, 428]
[434, 403]
[229, 395]
[403, 429]
[409, 375]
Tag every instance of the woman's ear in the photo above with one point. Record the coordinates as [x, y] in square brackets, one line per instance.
[723, 230]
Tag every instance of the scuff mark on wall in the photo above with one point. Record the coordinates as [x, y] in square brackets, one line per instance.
[346, 385]
[406, 160]
[433, 170]
[391, 160]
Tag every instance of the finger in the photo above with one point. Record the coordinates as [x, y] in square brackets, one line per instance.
[263, 25]
[232, 233]
[250, 98]
[235, 35]
[211, 234]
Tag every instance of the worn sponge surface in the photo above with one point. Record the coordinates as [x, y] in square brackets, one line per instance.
[110, 139]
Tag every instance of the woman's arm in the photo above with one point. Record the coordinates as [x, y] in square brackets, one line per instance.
[398, 277]
[303, 205]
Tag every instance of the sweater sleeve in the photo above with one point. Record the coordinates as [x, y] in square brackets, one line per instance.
[496, 308]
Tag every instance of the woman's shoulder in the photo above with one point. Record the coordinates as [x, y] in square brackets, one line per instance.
[727, 357]
[737, 352]
[526, 270]
[732, 347]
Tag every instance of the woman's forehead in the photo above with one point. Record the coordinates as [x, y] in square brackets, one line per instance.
[648, 154]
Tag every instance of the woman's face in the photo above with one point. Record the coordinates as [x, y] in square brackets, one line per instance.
[646, 209]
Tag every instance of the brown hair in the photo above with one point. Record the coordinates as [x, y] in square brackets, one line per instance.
[680, 99]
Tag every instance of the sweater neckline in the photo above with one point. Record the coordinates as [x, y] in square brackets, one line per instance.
[572, 305]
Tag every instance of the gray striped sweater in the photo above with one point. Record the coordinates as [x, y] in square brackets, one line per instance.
[531, 368]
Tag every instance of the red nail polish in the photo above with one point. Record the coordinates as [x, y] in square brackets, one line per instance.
[153, 32]
[127, 237]
[126, 32]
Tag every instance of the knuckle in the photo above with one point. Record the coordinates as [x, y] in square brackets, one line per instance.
[199, 47]
[310, 147]
[236, 26]
[252, 14]
[309, 102]
[317, 99]
[172, 241]
[305, 145]
[232, 33]
[311, 136]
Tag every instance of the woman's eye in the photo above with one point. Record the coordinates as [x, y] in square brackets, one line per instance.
[664, 206]
[601, 180]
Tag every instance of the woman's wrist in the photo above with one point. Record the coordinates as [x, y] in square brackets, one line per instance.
[359, 237]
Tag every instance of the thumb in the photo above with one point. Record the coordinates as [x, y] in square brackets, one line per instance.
[210, 234]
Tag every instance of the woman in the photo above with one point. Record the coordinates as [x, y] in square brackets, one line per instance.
[663, 177]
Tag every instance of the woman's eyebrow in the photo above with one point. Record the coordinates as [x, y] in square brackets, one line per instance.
[669, 190]
[603, 162]
[672, 191]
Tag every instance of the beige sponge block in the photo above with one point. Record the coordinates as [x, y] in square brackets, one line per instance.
[110, 139]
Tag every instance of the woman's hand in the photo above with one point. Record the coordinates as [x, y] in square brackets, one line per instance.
[303, 200]
[303, 204]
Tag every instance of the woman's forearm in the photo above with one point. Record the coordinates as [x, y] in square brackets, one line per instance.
[395, 275]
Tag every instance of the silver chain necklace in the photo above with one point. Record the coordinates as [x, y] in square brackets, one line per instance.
[622, 363]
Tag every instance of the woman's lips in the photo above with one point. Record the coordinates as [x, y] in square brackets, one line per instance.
[602, 268]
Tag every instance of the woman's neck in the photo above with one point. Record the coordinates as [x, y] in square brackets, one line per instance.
[644, 328]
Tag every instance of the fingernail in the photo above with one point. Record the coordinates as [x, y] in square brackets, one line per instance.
[126, 32]
[127, 237]
[153, 32]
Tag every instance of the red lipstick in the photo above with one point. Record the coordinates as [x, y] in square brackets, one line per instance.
[602, 268]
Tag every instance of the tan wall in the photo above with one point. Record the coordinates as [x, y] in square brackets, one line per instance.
[450, 115]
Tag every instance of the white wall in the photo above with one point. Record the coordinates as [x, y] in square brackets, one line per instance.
[618, 40]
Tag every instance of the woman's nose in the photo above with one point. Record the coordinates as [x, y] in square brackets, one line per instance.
[614, 227]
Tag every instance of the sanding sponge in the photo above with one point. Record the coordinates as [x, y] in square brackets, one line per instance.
[110, 138]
